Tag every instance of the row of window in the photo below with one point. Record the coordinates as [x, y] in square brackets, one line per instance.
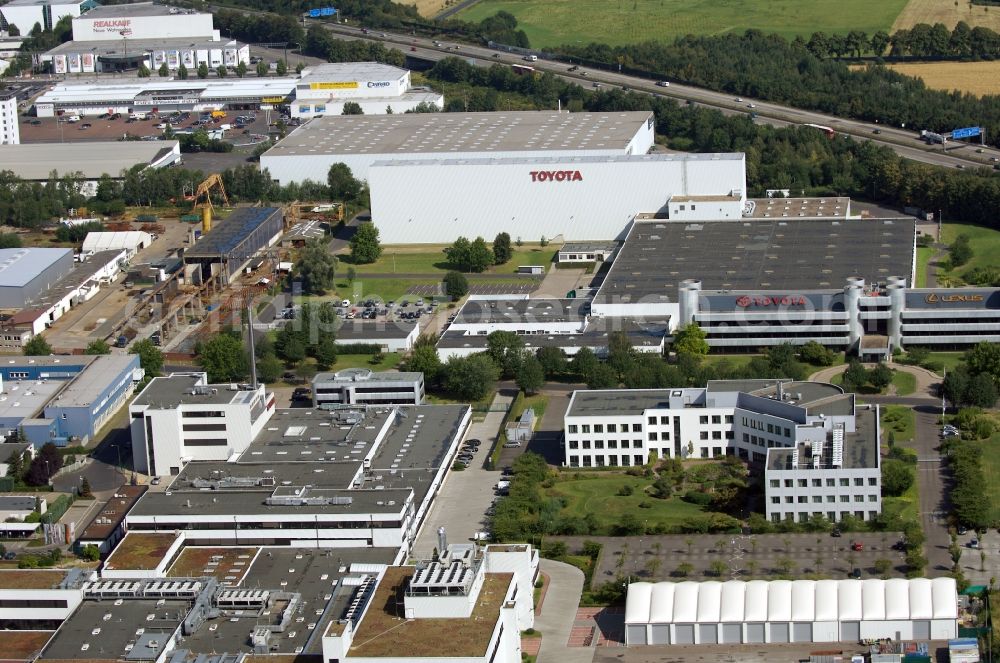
[600, 444]
[830, 515]
[309, 524]
[202, 413]
[763, 441]
[608, 461]
[771, 428]
[600, 428]
[816, 499]
[830, 482]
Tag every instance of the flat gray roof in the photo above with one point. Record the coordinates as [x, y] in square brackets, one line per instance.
[26, 399]
[170, 391]
[364, 375]
[509, 131]
[19, 266]
[860, 450]
[17, 503]
[541, 310]
[361, 330]
[73, 362]
[587, 247]
[641, 333]
[116, 632]
[133, 9]
[790, 255]
[336, 72]
[36, 161]
[833, 207]
[91, 382]
[79, 273]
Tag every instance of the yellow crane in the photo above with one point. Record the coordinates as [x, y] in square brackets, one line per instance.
[207, 210]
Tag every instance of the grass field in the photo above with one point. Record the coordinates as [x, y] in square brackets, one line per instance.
[430, 260]
[985, 244]
[949, 13]
[924, 255]
[556, 22]
[597, 494]
[905, 383]
[991, 470]
[900, 420]
[980, 78]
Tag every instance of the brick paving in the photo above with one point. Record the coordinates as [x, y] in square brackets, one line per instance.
[600, 627]
[531, 646]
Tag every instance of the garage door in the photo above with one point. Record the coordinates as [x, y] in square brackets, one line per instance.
[708, 634]
[779, 633]
[921, 629]
[684, 634]
[850, 631]
[732, 633]
[636, 634]
[802, 632]
[660, 634]
[755, 633]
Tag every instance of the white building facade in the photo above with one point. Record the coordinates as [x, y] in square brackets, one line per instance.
[142, 20]
[784, 611]
[181, 418]
[821, 452]
[10, 132]
[376, 88]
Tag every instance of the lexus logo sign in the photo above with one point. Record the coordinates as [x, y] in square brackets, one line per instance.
[556, 176]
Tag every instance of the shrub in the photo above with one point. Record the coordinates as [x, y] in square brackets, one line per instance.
[697, 497]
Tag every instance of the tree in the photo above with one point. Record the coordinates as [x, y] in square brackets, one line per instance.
[690, 340]
[269, 368]
[897, 477]
[281, 68]
[241, 69]
[37, 347]
[960, 251]
[351, 275]
[13, 30]
[223, 358]
[352, 108]
[12, 241]
[882, 566]
[501, 249]
[262, 69]
[984, 357]
[530, 376]
[203, 70]
[424, 359]
[470, 378]
[880, 377]
[326, 352]
[468, 256]
[163, 71]
[150, 356]
[15, 465]
[90, 553]
[85, 490]
[955, 386]
[299, 67]
[683, 570]
[855, 377]
[584, 363]
[316, 268]
[182, 72]
[718, 568]
[552, 360]
[98, 347]
[364, 244]
[221, 71]
[505, 349]
[456, 285]
[982, 391]
[143, 71]
[305, 370]
[816, 354]
[342, 183]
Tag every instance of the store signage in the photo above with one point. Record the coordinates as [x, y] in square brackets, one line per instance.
[556, 176]
[345, 85]
[273, 100]
[747, 301]
[934, 298]
[112, 25]
[379, 84]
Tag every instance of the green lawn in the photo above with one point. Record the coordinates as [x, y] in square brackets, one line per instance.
[924, 255]
[390, 360]
[899, 419]
[905, 383]
[947, 360]
[597, 494]
[430, 259]
[361, 288]
[538, 402]
[985, 246]
[991, 470]
[556, 22]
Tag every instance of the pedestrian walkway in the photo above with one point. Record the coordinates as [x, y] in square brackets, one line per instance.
[926, 386]
[559, 617]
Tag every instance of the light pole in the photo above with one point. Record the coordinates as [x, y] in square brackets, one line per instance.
[124, 34]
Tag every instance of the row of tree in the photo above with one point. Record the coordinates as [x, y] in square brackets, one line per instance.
[920, 41]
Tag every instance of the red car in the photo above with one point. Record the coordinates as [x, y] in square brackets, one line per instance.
[857, 546]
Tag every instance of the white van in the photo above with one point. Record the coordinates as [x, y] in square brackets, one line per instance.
[137, 116]
[73, 118]
[346, 303]
[531, 58]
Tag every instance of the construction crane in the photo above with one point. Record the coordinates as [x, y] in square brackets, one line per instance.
[207, 210]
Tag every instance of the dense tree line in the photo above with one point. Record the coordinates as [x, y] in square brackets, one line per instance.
[259, 28]
[798, 158]
[921, 41]
[770, 67]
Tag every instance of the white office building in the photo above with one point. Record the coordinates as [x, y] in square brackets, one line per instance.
[10, 133]
[377, 88]
[790, 611]
[819, 448]
[362, 386]
[181, 418]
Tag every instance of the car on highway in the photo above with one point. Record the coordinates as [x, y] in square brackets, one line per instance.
[739, 100]
[596, 84]
[751, 105]
[664, 84]
[574, 67]
[876, 131]
[857, 546]
[86, 125]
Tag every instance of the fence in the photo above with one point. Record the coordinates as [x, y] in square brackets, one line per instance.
[58, 508]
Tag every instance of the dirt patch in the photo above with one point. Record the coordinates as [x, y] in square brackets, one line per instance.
[949, 13]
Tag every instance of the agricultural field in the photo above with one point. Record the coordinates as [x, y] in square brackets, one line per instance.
[949, 13]
[556, 22]
[979, 78]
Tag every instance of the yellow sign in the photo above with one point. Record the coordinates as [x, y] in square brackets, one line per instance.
[272, 100]
[347, 85]
[934, 298]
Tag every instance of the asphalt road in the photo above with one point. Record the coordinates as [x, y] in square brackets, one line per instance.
[903, 141]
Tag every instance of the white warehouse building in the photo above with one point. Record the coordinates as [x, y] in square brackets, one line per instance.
[375, 87]
[579, 176]
[783, 611]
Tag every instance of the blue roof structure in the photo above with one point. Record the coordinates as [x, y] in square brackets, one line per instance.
[229, 233]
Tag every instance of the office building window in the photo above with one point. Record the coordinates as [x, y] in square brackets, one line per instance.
[703, 435]
[612, 428]
[716, 418]
[571, 428]
[664, 421]
[651, 420]
[585, 428]
[573, 444]
[703, 419]
[652, 437]
[598, 428]
[704, 452]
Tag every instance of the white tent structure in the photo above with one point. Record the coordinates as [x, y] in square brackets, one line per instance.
[131, 241]
[685, 613]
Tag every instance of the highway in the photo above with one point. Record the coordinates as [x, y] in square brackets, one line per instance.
[904, 142]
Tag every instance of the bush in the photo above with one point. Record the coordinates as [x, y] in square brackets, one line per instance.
[697, 497]
[625, 490]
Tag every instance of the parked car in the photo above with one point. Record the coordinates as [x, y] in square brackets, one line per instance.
[511, 445]
[857, 546]
[155, 481]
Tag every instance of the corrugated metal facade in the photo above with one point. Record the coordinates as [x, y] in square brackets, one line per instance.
[436, 201]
